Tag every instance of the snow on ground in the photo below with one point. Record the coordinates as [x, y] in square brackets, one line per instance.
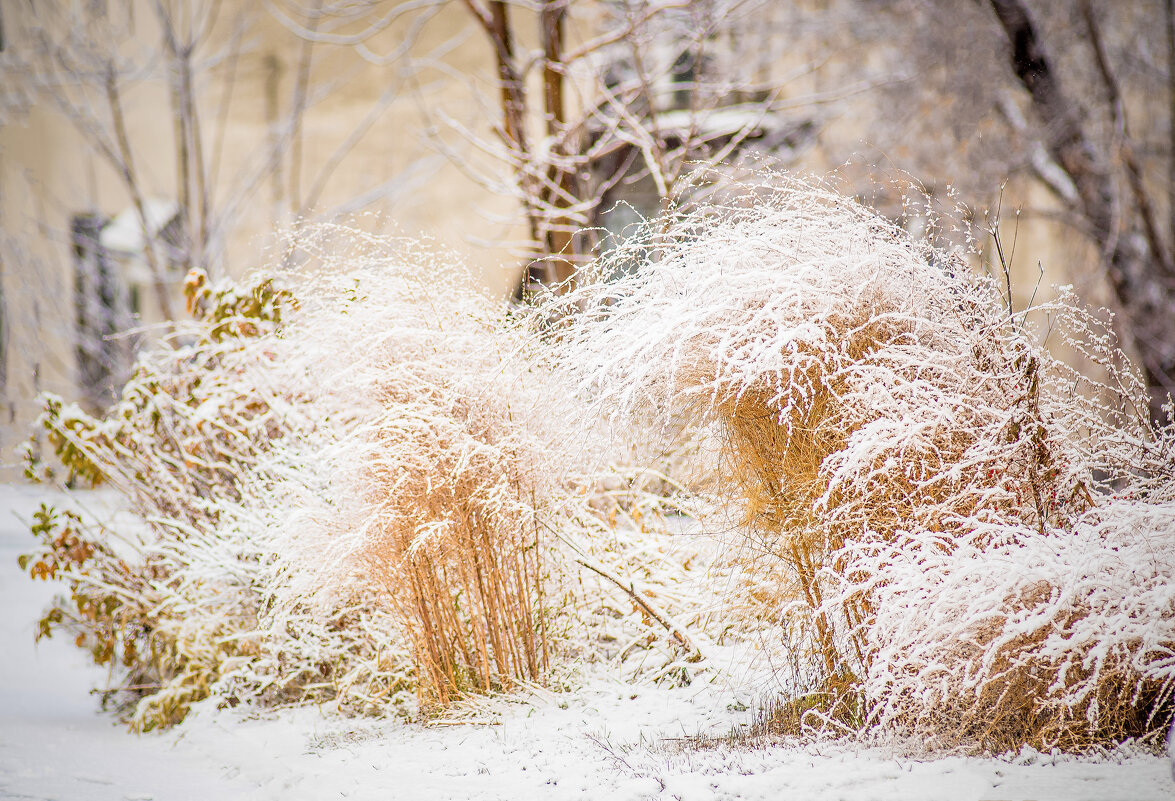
[53, 742]
[605, 740]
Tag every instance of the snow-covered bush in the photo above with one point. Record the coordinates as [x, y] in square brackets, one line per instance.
[446, 467]
[428, 477]
[371, 490]
[367, 489]
[959, 536]
[361, 484]
[175, 445]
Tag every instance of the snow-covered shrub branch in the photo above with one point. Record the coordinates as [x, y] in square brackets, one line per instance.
[972, 540]
[175, 446]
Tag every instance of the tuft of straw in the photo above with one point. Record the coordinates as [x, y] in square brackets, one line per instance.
[430, 467]
[894, 437]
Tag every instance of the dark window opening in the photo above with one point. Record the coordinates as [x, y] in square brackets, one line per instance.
[102, 306]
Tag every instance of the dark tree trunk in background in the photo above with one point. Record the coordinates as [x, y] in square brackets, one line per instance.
[549, 190]
[1140, 275]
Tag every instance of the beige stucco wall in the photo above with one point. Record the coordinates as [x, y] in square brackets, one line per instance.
[49, 172]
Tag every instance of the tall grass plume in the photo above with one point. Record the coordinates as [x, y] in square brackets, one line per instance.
[958, 536]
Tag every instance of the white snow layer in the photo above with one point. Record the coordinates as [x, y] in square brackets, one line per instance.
[603, 740]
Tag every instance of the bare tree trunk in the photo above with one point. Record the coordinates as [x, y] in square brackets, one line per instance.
[273, 76]
[510, 83]
[548, 191]
[131, 180]
[1125, 142]
[1169, 16]
[495, 21]
[301, 98]
[179, 80]
[561, 187]
[1138, 276]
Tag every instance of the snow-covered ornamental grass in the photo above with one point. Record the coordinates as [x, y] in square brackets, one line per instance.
[364, 488]
[358, 486]
[334, 490]
[960, 538]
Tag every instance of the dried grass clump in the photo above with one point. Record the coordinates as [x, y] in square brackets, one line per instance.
[430, 480]
[939, 506]
[456, 543]
[453, 485]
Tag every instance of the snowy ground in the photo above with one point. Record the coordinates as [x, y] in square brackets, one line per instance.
[605, 741]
